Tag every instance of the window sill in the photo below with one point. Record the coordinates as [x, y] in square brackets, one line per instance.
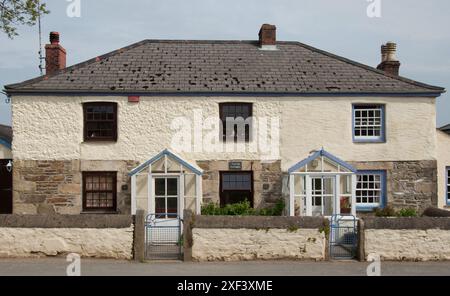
[362, 141]
[99, 141]
[366, 209]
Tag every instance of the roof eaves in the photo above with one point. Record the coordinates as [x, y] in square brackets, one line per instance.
[424, 93]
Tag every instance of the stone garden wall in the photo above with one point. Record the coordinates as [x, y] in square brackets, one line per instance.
[231, 238]
[99, 236]
[406, 239]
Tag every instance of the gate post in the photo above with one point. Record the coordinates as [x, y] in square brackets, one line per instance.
[139, 235]
[187, 235]
[361, 254]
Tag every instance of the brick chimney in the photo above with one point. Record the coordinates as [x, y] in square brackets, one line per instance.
[389, 62]
[268, 37]
[55, 55]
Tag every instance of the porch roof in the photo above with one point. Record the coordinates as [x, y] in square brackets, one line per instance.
[321, 153]
[193, 167]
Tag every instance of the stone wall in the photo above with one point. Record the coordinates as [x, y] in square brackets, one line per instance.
[114, 243]
[99, 236]
[227, 238]
[257, 244]
[54, 186]
[267, 180]
[410, 184]
[407, 239]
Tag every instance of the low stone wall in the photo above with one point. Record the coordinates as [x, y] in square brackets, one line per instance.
[223, 238]
[407, 239]
[99, 236]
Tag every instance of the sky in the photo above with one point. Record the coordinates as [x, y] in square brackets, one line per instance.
[420, 28]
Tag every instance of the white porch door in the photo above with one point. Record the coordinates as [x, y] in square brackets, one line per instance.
[323, 194]
[166, 199]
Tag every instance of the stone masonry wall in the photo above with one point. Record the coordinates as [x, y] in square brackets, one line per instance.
[55, 186]
[408, 244]
[253, 244]
[231, 238]
[114, 243]
[267, 180]
[410, 184]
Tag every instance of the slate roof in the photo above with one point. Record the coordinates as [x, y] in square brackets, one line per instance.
[188, 66]
[445, 129]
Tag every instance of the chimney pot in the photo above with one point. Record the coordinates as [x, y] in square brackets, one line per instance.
[55, 55]
[54, 37]
[267, 36]
[391, 50]
[383, 53]
[389, 62]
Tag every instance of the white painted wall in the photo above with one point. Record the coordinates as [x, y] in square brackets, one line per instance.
[47, 127]
[443, 161]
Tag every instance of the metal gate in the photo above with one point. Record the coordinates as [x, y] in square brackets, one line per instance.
[163, 239]
[343, 237]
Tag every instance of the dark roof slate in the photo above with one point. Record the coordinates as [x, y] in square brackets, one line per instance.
[220, 66]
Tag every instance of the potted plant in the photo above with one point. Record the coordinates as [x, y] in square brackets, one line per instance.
[346, 207]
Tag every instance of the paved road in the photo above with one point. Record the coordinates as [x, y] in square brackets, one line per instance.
[57, 266]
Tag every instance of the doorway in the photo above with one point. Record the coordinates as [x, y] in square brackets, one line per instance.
[166, 194]
[323, 194]
[6, 202]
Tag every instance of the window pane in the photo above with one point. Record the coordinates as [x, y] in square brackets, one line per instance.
[160, 186]
[369, 189]
[231, 111]
[160, 205]
[99, 191]
[238, 181]
[100, 121]
[368, 121]
[172, 205]
[172, 186]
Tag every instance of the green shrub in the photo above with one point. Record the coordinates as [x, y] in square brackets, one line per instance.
[390, 212]
[385, 212]
[242, 209]
[409, 212]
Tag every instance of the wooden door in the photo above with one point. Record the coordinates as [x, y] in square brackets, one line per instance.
[5, 188]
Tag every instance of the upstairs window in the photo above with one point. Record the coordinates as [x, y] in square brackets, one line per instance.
[368, 123]
[236, 121]
[100, 121]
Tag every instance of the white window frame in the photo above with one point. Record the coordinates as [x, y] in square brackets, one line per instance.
[371, 122]
[361, 206]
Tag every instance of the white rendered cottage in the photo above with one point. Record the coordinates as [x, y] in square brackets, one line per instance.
[103, 136]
